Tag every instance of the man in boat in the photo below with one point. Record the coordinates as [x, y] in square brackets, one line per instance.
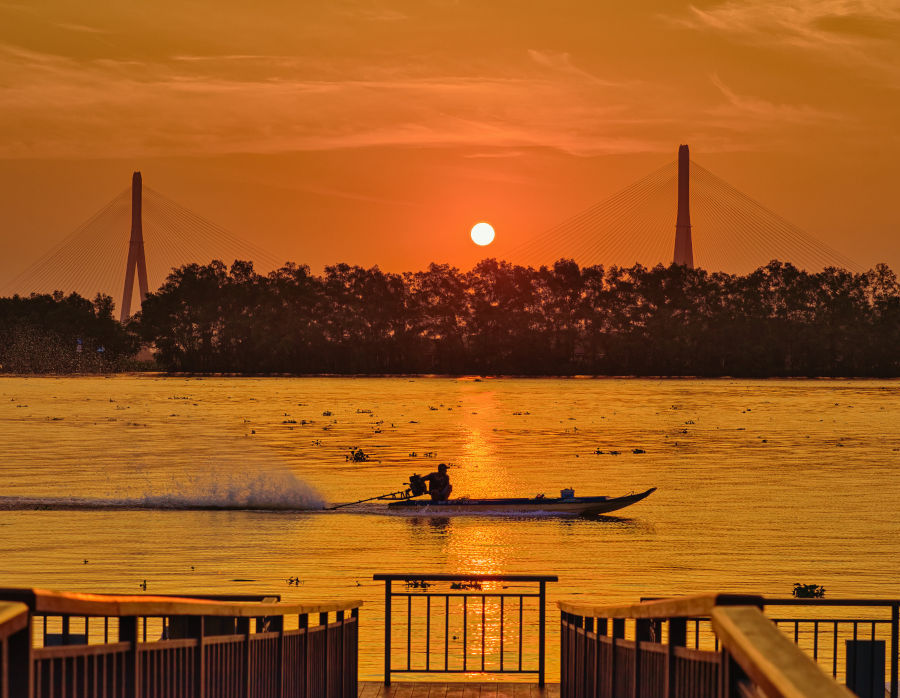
[439, 486]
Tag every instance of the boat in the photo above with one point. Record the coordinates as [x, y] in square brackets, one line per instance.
[565, 505]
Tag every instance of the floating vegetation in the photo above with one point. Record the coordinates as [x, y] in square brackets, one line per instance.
[326, 413]
[475, 585]
[808, 591]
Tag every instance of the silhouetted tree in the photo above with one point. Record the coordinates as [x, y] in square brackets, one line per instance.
[503, 318]
[56, 333]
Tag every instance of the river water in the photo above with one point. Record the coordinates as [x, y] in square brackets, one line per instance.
[761, 484]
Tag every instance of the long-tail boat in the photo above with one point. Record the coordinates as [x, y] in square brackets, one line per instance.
[567, 505]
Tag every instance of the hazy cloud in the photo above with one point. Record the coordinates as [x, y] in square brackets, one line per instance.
[749, 108]
[58, 106]
[864, 32]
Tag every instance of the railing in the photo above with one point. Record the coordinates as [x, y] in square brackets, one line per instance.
[754, 659]
[13, 642]
[826, 637]
[85, 645]
[828, 630]
[479, 623]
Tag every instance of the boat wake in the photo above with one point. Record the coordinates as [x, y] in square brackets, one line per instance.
[264, 491]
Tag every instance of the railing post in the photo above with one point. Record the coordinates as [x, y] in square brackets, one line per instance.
[587, 656]
[677, 638]
[128, 632]
[353, 666]
[303, 624]
[641, 634]
[563, 655]
[196, 630]
[895, 637]
[387, 632]
[278, 622]
[613, 636]
[19, 663]
[242, 626]
[542, 624]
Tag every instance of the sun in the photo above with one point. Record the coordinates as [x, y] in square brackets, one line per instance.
[482, 234]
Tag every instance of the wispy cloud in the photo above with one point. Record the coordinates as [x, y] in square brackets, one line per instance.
[761, 111]
[561, 62]
[864, 32]
[79, 28]
[58, 106]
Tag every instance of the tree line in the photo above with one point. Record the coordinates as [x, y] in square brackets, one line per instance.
[58, 333]
[497, 318]
[500, 318]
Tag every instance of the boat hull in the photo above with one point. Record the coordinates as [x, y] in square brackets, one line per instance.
[571, 506]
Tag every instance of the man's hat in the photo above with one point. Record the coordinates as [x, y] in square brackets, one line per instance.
[442, 466]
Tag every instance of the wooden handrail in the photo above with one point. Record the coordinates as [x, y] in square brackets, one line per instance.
[78, 604]
[771, 660]
[13, 617]
[683, 607]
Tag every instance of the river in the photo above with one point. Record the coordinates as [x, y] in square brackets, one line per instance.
[761, 484]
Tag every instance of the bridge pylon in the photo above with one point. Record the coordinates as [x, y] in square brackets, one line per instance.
[684, 248]
[137, 260]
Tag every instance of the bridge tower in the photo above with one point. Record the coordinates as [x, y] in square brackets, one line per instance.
[684, 249]
[136, 258]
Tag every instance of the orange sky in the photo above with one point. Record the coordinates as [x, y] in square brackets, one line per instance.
[378, 132]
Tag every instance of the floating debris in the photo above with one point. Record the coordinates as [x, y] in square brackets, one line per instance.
[357, 455]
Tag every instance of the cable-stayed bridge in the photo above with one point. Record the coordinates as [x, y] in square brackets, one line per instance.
[715, 226]
[100, 256]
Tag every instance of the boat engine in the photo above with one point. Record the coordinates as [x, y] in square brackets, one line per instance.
[417, 485]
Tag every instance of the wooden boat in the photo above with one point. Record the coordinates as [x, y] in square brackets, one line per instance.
[564, 506]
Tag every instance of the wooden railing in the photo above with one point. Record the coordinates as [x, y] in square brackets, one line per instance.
[83, 645]
[827, 628]
[477, 623]
[13, 642]
[753, 658]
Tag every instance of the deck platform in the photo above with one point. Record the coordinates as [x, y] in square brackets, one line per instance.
[456, 689]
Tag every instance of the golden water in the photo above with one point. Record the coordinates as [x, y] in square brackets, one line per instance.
[761, 484]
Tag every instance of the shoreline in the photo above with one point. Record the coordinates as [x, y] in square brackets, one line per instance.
[454, 376]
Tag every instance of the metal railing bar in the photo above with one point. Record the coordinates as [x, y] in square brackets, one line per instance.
[521, 632]
[877, 621]
[486, 594]
[483, 617]
[465, 630]
[501, 633]
[466, 577]
[465, 671]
